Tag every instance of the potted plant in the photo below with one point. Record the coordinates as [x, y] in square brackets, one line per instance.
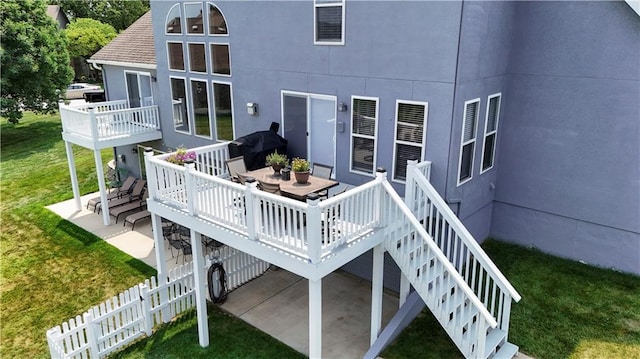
[181, 155]
[300, 168]
[277, 161]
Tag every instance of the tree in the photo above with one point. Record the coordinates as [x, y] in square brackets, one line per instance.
[34, 61]
[117, 13]
[86, 36]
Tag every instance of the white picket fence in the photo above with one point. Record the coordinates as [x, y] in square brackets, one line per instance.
[134, 313]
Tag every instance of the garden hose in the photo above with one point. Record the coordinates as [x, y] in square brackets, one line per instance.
[217, 283]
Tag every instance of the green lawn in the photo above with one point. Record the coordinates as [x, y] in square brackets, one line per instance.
[52, 270]
[568, 310]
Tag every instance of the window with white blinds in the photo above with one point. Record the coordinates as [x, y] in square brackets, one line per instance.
[329, 22]
[364, 119]
[411, 124]
[468, 142]
[490, 132]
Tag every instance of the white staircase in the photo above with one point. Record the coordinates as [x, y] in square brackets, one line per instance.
[457, 281]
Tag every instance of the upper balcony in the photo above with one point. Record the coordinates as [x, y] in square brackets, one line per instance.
[109, 124]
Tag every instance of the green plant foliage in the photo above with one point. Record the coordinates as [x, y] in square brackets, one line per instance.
[300, 165]
[117, 13]
[34, 59]
[86, 36]
[276, 158]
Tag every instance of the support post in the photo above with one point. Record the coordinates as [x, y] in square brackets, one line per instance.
[161, 264]
[404, 289]
[190, 186]
[315, 318]
[376, 291]
[74, 176]
[314, 228]
[409, 198]
[381, 175]
[199, 279]
[252, 208]
[152, 180]
[104, 203]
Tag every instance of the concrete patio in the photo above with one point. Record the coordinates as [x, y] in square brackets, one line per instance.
[276, 302]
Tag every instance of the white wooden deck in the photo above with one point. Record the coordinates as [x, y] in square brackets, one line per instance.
[109, 124]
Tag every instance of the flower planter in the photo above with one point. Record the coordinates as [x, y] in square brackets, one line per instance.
[302, 177]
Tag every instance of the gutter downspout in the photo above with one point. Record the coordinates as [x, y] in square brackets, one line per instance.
[448, 200]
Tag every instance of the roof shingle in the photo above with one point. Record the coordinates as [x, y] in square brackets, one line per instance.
[133, 45]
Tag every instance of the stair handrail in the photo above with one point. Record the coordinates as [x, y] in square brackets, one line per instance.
[473, 298]
[466, 237]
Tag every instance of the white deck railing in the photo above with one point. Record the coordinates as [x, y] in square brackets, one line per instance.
[311, 231]
[134, 313]
[108, 120]
[435, 278]
[459, 246]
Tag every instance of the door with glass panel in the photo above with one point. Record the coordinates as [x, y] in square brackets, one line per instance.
[139, 89]
[309, 125]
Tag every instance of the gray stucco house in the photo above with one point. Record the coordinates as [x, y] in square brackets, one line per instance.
[528, 112]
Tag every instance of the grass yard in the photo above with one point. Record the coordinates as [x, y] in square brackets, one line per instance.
[52, 270]
[568, 310]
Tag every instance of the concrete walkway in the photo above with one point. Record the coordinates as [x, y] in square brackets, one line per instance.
[276, 302]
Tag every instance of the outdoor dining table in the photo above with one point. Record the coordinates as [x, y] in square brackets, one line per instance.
[291, 188]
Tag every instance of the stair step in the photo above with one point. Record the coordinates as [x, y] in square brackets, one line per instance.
[507, 351]
[494, 338]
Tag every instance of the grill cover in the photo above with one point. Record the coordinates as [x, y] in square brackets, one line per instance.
[256, 146]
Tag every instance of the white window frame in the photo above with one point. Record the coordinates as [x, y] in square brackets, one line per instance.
[327, 3]
[209, 4]
[353, 135]
[206, 66]
[493, 132]
[167, 21]
[215, 117]
[472, 141]
[205, 21]
[184, 63]
[211, 57]
[192, 110]
[406, 143]
[187, 99]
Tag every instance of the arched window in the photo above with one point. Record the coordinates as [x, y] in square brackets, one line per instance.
[217, 23]
[174, 20]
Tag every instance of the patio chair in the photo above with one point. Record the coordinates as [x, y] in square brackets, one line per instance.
[345, 189]
[236, 165]
[136, 193]
[269, 187]
[209, 243]
[322, 171]
[242, 179]
[123, 190]
[138, 206]
[135, 217]
[181, 246]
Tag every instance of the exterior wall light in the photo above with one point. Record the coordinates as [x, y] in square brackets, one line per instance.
[252, 108]
[342, 107]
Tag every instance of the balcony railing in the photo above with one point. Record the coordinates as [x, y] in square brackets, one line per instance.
[311, 230]
[105, 121]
